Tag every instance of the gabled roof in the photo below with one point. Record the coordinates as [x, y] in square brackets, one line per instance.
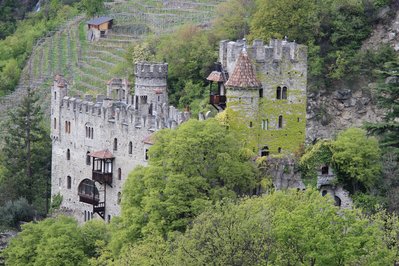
[215, 76]
[99, 20]
[104, 154]
[244, 75]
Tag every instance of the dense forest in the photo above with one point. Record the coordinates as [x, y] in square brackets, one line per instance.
[196, 202]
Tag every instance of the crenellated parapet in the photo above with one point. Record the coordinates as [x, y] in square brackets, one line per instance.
[121, 113]
[151, 70]
[276, 51]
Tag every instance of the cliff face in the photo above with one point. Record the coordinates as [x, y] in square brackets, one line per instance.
[351, 106]
[328, 114]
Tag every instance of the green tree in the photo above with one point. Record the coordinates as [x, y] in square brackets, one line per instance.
[286, 228]
[190, 53]
[355, 158]
[189, 168]
[232, 19]
[27, 155]
[93, 7]
[56, 241]
[387, 92]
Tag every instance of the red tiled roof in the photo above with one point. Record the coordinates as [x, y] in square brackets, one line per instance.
[215, 76]
[149, 139]
[244, 75]
[104, 154]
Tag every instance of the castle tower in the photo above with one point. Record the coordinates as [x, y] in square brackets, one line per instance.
[58, 91]
[150, 92]
[243, 88]
[268, 85]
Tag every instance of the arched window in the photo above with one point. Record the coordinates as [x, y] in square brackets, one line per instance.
[68, 155]
[264, 151]
[150, 109]
[278, 93]
[69, 182]
[119, 174]
[55, 123]
[55, 95]
[130, 147]
[284, 94]
[280, 121]
[92, 133]
[119, 198]
[88, 192]
[88, 159]
[115, 144]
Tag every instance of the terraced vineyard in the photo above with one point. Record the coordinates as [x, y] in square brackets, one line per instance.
[89, 65]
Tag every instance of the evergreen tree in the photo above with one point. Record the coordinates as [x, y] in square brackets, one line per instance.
[387, 95]
[26, 155]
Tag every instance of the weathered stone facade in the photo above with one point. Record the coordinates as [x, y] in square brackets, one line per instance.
[276, 110]
[119, 122]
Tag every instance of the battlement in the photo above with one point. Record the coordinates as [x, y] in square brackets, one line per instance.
[277, 50]
[117, 112]
[151, 70]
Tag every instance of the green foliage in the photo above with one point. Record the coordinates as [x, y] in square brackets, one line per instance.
[189, 168]
[56, 202]
[387, 92]
[232, 20]
[56, 241]
[287, 228]
[333, 30]
[190, 53]
[27, 148]
[14, 212]
[357, 157]
[16, 48]
[354, 157]
[93, 7]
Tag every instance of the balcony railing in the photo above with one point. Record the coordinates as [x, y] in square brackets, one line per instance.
[217, 99]
[88, 198]
[102, 177]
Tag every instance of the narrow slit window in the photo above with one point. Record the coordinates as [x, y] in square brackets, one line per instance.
[130, 147]
[284, 94]
[69, 182]
[278, 93]
[115, 144]
[280, 121]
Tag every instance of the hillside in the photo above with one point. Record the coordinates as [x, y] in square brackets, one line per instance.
[89, 65]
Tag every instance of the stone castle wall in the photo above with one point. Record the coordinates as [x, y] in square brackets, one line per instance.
[81, 126]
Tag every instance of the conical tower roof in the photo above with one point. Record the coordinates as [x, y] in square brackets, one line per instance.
[244, 75]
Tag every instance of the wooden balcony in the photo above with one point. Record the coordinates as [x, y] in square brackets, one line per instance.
[218, 101]
[102, 177]
[88, 198]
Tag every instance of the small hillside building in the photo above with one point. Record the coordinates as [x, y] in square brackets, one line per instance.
[98, 28]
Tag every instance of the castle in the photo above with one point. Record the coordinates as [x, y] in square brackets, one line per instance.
[96, 143]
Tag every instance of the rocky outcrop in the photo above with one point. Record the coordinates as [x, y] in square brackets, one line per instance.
[386, 31]
[284, 172]
[329, 113]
